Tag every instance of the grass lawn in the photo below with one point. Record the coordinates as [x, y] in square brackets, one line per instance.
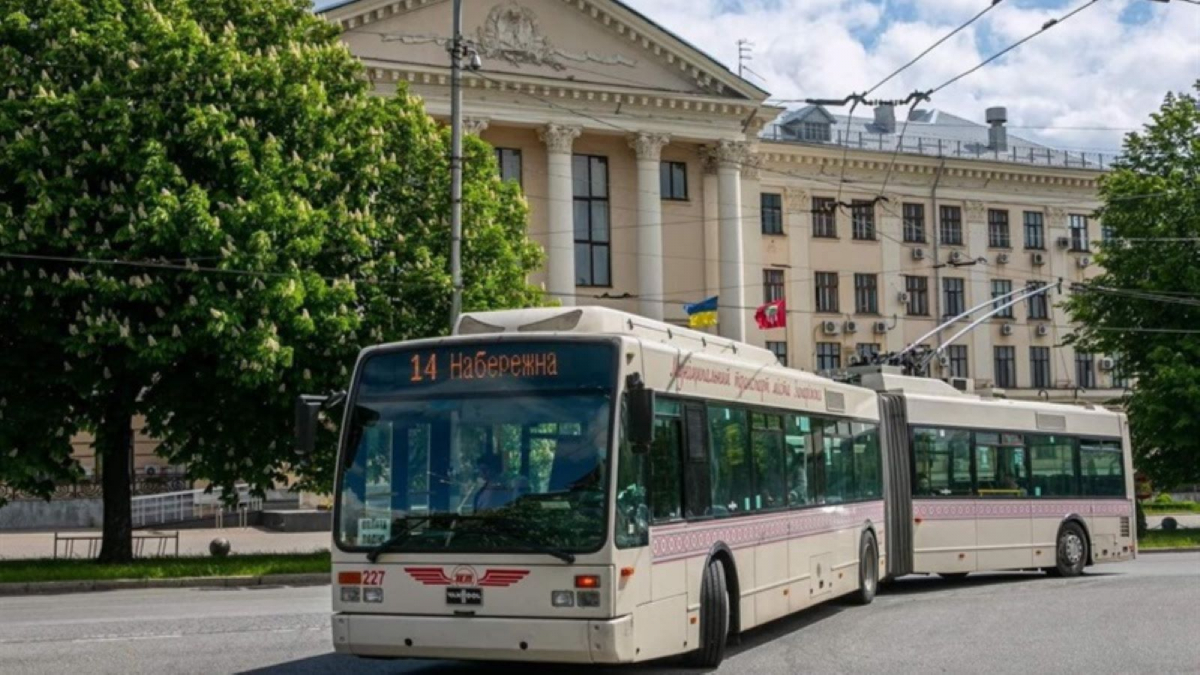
[1168, 508]
[1181, 538]
[26, 571]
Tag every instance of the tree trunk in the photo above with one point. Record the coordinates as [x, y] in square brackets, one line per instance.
[114, 443]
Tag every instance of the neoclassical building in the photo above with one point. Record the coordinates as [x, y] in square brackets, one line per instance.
[656, 177]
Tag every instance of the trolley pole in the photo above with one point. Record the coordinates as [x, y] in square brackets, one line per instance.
[456, 159]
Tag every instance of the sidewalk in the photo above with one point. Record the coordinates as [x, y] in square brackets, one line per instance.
[17, 545]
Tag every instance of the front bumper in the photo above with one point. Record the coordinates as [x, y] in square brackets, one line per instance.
[553, 640]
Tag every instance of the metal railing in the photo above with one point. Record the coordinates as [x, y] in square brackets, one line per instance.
[914, 143]
[192, 504]
[162, 543]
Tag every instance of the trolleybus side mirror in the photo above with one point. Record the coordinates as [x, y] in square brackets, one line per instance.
[640, 401]
[308, 408]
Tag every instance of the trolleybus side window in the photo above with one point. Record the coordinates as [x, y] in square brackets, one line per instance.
[632, 512]
[941, 462]
[697, 495]
[1000, 465]
[1053, 466]
[731, 480]
[666, 466]
[838, 440]
[1102, 467]
[868, 463]
[801, 476]
[766, 439]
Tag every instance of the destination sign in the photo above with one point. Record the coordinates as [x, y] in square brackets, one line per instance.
[516, 365]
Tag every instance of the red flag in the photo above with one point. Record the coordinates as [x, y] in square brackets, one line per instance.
[772, 314]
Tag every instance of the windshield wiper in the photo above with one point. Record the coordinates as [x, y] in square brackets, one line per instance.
[514, 535]
[410, 525]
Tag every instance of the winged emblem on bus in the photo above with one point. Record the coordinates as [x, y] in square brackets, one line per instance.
[436, 576]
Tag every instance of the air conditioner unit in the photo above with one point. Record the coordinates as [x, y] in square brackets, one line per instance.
[851, 326]
[1038, 259]
[903, 297]
[955, 256]
[1006, 329]
[855, 360]
[918, 254]
[1083, 261]
[961, 383]
[881, 327]
[1107, 363]
[830, 327]
[1064, 242]
[944, 360]
[1043, 330]
[1002, 259]
[151, 470]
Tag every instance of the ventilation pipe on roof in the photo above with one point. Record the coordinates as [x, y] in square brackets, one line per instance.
[997, 134]
[885, 118]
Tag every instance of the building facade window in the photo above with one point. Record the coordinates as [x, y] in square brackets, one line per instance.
[509, 162]
[918, 295]
[815, 131]
[827, 291]
[1039, 367]
[829, 356]
[866, 294]
[1002, 287]
[951, 225]
[1035, 231]
[772, 285]
[824, 217]
[862, 219]
[954, 296]
[1085, 370]
[1006, 366]
[673, 183]
[771, 210]
[779, 349]
[1119, 374]
[1107, 234]
[1079, 232]
[914, 223]
[866, 351]
[1039, 304]
[959, 366]
[998, 236]
[593, 266]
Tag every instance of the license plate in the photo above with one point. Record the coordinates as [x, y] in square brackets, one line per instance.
[464, 596]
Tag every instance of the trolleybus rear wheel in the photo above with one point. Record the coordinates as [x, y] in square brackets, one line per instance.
[868, 570]
[1070, 552]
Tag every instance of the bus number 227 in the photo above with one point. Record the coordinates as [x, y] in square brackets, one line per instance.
[429, 371]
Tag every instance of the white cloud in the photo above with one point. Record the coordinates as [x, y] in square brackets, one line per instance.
[1091, 71]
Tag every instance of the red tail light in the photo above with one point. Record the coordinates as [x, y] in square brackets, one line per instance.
[587, 581]
[350, 578]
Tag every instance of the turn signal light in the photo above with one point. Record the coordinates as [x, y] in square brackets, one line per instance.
[587, 581]
[350, 578]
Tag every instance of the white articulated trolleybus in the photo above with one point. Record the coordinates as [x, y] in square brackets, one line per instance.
[585, 485]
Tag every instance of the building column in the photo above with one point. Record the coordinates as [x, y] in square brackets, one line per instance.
[980, 289]
[797, 215]
[731, 315]
[560, 244]
[712, 220]
[649, 232]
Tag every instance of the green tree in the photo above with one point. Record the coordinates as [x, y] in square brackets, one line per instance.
[204, 212]
[1151, 212]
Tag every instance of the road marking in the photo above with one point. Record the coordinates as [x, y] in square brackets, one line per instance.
[123, 638]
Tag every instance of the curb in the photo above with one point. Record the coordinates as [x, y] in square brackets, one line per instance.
[60, 587]
[1188, 549]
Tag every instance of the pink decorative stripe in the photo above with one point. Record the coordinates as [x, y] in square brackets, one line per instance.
[971, 509]
[684, 540]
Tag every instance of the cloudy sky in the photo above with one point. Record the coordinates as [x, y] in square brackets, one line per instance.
[1079, 85]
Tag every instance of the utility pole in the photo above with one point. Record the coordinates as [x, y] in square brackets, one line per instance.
[457, 50]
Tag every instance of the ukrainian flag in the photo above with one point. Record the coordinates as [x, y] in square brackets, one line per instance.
[703, 313]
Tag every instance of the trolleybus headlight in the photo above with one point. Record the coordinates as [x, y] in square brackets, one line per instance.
[562, 598]
[351, 593]
[589, 598]
[373, 594]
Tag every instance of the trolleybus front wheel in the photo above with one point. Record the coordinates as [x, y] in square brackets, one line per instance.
[868, 570]
[714, 617]
[1070, 552]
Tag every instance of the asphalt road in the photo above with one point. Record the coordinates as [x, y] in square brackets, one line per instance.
[1140, 617]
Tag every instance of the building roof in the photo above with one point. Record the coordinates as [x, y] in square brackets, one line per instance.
[929, 132]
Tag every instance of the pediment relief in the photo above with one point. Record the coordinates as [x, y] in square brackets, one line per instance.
[597, 41]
